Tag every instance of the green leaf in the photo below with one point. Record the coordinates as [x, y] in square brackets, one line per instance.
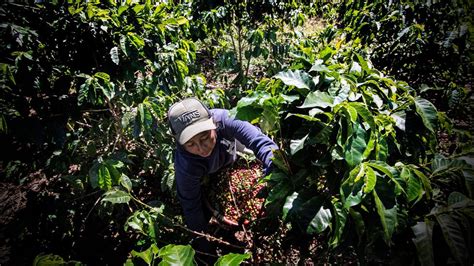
[279, 159]
[318, 66]
[232, 259]
[320, 222]
[364, 113]
[353, 199]
[297, 144]
[388, 218]
[147, 255]
[358, 221]
[414, 189]
[116, 196]
[125, 182]
[176, 255]
[114, 55]
[102, 75]
[423, 241]
[48, 260]
[370, 180]
[138, 8]
[355, 146]
[424, 180]
[456, 197]
[121, 9]
[386, 169]
[289, 204]
[355, 68]
[136, 40]
[279, 192]
[318, 99]
[297, 78]
[352, 112]
[340, 223]
[454, 237]
[427, 112]
[104, 178]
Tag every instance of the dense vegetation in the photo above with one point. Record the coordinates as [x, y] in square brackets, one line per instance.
[369, 101]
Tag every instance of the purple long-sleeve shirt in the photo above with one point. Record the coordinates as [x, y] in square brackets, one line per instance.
[190, 168]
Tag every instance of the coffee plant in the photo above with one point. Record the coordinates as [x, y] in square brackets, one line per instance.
[369, 101]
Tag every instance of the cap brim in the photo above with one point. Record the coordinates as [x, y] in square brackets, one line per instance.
[194, 129]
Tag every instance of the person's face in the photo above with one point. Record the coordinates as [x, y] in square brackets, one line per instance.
[202, 144]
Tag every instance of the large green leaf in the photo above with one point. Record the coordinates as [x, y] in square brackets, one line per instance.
[297, 144]
[319, 99]
[423, 241]
[147, 255]
[340, 215]
[320, 221]
[278, 193]
[232, 259]
[297, 78]
[454, 237]
[370, 179]
[355, 146]
[389, 171]
[424, 180]
[104, 177]
[414, 189]
[116, 196]
[427, 112]
[388, 217]
[364, 113]
[289, 204]
[176, 255]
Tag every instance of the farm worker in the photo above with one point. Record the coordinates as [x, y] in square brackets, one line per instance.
[207, 141]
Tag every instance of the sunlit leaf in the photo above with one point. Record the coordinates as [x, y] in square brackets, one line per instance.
[297, 78]
[147, 255]
[176, 255]
[427, 112]
[320, 222]
[297, 144]
[355, 146]
[116, 196]
[370, 180]
[289, 204]
[318, 99]
[114, 55]
[104, 177]
[232, 259]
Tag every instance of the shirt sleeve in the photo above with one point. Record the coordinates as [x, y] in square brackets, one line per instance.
[253, 138]
[189, 194]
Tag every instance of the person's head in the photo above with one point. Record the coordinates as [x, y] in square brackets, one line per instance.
[193, 127]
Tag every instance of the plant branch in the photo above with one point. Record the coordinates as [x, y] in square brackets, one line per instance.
[207, 236]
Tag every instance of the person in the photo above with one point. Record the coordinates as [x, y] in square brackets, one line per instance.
[207, 141]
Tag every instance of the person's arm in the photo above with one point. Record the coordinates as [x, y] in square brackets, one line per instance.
[189, 194]
[253, 138]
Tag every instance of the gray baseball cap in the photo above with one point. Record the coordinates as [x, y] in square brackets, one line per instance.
[188, 118]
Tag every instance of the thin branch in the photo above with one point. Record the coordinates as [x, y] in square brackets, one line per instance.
[207, 236]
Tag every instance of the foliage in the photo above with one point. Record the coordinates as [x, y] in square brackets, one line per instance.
[356, 107]
[425, 37]
[357, 159]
